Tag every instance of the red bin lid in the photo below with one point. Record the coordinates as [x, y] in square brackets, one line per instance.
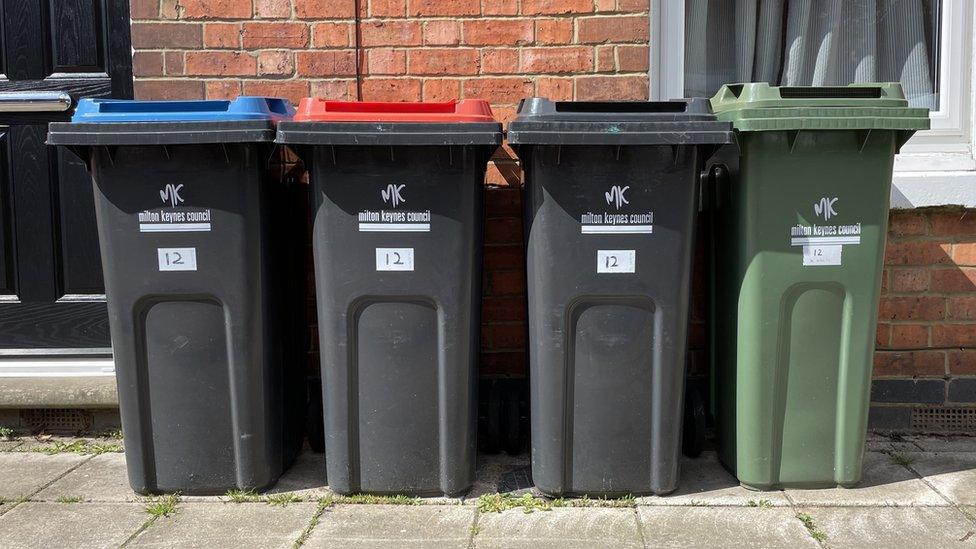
[316, 109]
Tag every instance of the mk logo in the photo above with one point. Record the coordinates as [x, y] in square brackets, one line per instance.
[392, 194]
[171, 194]
[825, 208]
[616, 196]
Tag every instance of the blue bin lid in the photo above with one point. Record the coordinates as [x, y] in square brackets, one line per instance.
[211, 110]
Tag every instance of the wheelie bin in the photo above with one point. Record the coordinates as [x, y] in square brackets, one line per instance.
[397, 232]
[798, 211]
[190, 223]
[611, 199]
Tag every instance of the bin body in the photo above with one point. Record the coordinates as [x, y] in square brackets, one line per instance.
[186, 213]
[610, 205]
[397, 235]
[798, 214]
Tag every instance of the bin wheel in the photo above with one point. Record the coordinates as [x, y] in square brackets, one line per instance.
[493, 420]
[512, 423]
[693, 436]
[314, 420]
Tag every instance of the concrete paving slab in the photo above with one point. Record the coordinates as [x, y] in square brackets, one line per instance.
[102, 478]
[883, 482]
[9, 445]
[90, 525]
[228, 525]
[893, 444]
[705, 482]
[560, 527]
[367, 526]
[953, 474]
[306, 477]
[902, 527]
[24, 474]
[946, 444]
[723, 527]
[491, 469]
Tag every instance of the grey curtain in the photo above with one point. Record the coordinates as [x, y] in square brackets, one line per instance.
[813, 43]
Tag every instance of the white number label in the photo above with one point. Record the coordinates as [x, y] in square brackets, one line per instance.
[814, 255]
[177, 259]
[616, 261]
[394, 259]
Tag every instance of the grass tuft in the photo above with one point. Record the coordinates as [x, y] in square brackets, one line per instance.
[6, 433]
[80, 447]
[282, 500]
[370, 499]
[496, 503]
[899, 459]
[69, 499]
[242, 496]
[811, 527]
[762, 504]
[324, 504]
[162, 506]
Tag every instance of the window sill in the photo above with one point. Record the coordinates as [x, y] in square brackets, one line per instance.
[920, 189]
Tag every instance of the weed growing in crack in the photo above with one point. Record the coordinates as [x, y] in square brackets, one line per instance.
[370, 499]
[496, 503]
[811, 527]
[6, 433]
[282, 500]
[899, 459]
[242, 496]
[80, 447]
[762, 504]
[162, 506]
[69, 499]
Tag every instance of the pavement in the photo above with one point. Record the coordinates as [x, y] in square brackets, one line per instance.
[918, 491]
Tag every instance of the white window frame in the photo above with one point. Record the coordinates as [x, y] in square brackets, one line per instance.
[937, 167]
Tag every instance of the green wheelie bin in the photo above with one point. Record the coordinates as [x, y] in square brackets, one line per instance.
[797, 215]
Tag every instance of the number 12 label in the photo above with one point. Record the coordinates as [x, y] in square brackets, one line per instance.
[394, 259]
[616, 261]
[177, 259]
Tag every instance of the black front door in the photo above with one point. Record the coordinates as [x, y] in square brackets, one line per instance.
[51, 292]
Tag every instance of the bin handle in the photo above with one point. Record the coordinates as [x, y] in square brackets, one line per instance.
[709, 180]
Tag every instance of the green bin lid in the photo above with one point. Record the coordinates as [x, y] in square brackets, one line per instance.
[761, 107]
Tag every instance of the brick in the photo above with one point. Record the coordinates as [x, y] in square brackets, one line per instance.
[293, 90]
[907, 223]
[962, 279]
[962, 362]
[503, 309]
[501, 202]
[443, 62]
[166, 35]
[890, 417]
[632, 58]
[441, 89]
[144, 9]
[606, 5]
[391, 89]
[954, 223]
[551, 32]
[335, 35]
[498, 32]
[386, 61]
[217, 9]
[387, 8]
[506, 336]
[276, 63]
[916, 252]
[259, 34]
[909, 280]
[962, 390]
[392, 33]
[499, 61]
[696, 335]
[506, 282]
[509, 256]
[506, 363]
[885, 275]
[326, 63]
[954, 335]
[962, 308]
[339, 90]
[554, 7]
[504, 113]
[422, 8]
[557, 60]
[911, 364]
[168, 89]
[175, 63]
[912, 308]
[632, 5]
[882, 336]
[964, 253]
[930, 391]
[606, 60]
[220, 63]
[555, 88]
[222, 35]
[499, 7]
[909, 336]
[442, 33]
[498, 90]
[223, 89]
[506, 174]
[601, 30]
[324, 9]
[170, 9]
[147, 63]
[611, 88]
[269, 9]
[503, 230]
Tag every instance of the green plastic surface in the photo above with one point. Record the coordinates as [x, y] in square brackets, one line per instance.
[792, 343]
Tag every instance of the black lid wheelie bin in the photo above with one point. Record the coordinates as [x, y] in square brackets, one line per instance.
[397, 231]
[610, 206]
[209, 389]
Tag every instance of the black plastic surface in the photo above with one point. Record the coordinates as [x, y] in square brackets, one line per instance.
[389, 133]
[160, 133]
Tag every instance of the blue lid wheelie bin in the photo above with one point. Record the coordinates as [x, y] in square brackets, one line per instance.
[197, 244]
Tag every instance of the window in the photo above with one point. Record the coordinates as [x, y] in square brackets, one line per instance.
[927, 45]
